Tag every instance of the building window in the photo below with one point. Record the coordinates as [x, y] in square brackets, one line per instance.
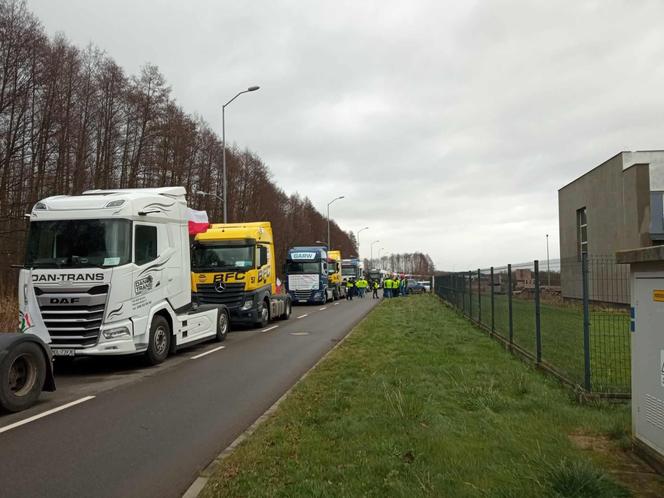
[581, 232]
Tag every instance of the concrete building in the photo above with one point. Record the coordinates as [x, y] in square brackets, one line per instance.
[614, 206]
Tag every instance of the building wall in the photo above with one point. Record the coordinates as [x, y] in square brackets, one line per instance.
[617, 202]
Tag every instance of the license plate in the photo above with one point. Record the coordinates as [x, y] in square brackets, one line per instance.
[63, 352]
[303, 300]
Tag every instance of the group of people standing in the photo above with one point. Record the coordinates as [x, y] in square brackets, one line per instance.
[356, 287]
[395, 287]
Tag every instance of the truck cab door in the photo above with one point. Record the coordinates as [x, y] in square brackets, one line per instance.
[147, 274]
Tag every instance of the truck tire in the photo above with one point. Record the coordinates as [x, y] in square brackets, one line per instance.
[263, 313]
[223, 325]
[160, 341]
[287, 310]
[22, 375]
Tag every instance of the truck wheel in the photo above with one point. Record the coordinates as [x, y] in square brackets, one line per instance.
[22, 376]
[288, 310]
[335, 295]
[222, 325]
[263, 314]
[160, 341]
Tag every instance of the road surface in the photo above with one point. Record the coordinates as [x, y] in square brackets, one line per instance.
[134, 431]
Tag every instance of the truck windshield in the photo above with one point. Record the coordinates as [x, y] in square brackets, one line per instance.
[78, 243]
[206, 257]
[350, 271]
[302, 267]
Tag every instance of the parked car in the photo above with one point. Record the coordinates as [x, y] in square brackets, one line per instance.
[426, 284]
[415, 287]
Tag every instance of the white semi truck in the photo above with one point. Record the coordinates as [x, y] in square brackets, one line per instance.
[108, 273]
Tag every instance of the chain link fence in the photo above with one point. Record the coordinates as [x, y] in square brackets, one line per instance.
[570, 316]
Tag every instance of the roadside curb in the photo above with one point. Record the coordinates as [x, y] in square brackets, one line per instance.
[197, 486]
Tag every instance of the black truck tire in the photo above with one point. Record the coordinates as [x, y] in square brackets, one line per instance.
[159, 343]
[223, 325]
[263, 313]
[288, 310]
[22, 375]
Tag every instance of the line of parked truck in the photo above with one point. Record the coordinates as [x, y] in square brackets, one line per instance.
[114, 272]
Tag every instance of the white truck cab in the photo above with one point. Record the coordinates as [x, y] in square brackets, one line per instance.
[108, 273]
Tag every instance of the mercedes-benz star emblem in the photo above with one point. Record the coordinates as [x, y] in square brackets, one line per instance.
[219, 286]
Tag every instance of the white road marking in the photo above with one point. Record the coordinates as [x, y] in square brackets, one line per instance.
[299, 333]
[302, 316]
[208, 352]
[270, 328]
[44, 414]
[336, 304]
[323, 308]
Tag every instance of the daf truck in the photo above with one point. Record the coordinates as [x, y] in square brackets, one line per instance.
[334, 274]
[307, 280]
[108, 273]
[234, 264]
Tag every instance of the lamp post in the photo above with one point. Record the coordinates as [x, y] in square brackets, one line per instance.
[328, 219]
[548, 268]
[223, 144]
[372, 244]
[358, 240]
[379, 260]
[209, 194]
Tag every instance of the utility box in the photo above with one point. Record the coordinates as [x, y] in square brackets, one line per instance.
[647, 340]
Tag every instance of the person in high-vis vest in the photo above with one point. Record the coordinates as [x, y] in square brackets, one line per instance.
[350, 289]
[375, 287]
[387, 288]
[396, 283]
[361, 287]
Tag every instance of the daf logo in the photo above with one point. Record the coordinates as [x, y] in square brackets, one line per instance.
[219, 286]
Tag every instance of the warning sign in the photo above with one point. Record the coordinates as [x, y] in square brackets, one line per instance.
[658, 296]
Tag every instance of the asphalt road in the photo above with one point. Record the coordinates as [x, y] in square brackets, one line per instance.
[150, 431]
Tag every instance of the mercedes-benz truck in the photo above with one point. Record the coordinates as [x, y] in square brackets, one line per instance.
[234, 264]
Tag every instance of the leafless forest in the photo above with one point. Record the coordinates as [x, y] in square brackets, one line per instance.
[71, 119]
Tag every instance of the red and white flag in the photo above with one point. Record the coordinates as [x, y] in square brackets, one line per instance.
[198, 221]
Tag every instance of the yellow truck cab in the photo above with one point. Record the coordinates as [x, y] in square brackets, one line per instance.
[334, 274]
[234, 264]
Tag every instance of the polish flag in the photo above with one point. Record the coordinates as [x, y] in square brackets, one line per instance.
[198, 221]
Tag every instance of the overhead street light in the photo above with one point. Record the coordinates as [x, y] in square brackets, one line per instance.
[328, 219]
[223, 143]
[357, 236]
[208, 194]
[372, 244]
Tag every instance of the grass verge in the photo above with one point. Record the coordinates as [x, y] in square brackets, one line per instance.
[418, 402]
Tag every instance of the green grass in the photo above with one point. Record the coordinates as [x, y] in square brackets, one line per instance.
[562, 338]
[418, 402]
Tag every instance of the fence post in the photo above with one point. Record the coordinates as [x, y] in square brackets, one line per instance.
[538, 329]
[493, 322]
[479, 296]
[586, 323]
[463, 292]
[509, 303]
[470, 295]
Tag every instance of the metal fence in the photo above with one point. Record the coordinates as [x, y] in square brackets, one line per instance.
[570, 317]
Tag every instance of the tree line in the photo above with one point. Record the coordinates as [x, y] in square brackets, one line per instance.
[71, 119]
[415, 263]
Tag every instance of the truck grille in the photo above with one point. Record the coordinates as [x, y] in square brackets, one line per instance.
[231, 296]
[303, 294]
[73, 317]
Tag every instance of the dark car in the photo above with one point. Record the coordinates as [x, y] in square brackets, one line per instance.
[415, 287]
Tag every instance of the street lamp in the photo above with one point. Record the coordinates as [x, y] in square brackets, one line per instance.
[223, 143]
[328, 219]
[548, 268]
[372, 244]
[380, 261]
[208, 194]
[358, 239]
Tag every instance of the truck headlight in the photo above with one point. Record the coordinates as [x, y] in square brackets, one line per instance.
[116, 332]
[247, 305]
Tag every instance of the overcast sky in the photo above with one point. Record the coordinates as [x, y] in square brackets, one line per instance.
[448, 125]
